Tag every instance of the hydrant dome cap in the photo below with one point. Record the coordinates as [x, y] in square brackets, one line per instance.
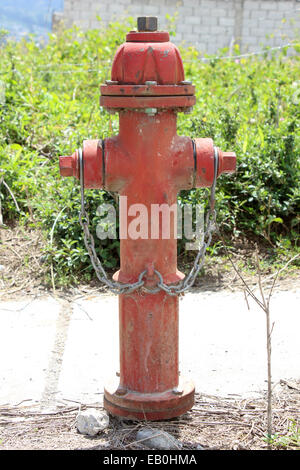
[147, 36]
[138, 62]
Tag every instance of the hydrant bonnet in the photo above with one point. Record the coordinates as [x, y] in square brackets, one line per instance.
[147, 72]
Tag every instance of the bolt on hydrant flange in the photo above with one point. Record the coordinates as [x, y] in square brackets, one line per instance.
[149, 164]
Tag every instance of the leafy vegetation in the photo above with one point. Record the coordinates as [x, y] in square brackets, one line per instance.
[49, 103]
[291, 440]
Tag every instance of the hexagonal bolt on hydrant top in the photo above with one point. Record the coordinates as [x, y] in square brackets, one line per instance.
[149, 164]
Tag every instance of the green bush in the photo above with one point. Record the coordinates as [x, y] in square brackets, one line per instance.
[252, 106]
[49, 97]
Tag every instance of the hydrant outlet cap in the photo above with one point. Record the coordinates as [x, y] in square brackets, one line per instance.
[227, 162]
[66, 165]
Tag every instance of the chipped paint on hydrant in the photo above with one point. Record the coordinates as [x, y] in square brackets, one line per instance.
[148, 163]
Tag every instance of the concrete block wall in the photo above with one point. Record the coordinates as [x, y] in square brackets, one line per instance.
[207, 24]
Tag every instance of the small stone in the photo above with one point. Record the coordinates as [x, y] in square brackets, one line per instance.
[157, 439]
[199, 447]
[92, 421]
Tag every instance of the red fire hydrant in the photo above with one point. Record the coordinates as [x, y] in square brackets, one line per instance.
[149, 164]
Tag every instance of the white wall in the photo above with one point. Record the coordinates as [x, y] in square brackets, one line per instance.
[207, 24]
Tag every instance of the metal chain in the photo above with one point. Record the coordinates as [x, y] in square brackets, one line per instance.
[114, 286]
[171, 289]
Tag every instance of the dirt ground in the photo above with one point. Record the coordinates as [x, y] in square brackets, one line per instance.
[22, 268]
[213, 423]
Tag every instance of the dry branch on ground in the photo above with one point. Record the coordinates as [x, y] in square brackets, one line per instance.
[214, 423]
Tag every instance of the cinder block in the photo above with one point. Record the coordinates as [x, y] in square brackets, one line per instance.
[201, 46]
[209, 20]
[138, 2]
[258, 14]
[250, 23]
[151, 10]
[251, 4]
[278, 25]
[184, 11]
[83, 24]
[265, 42]
[74, 4]
[266, 5]
[226, 22]
[206, 38]
[208, 4]
[135, 11]
[200, 30]
[211, 48]
[258, 33]
[267, 24]
[190, 38]
[227, 4]
[87, 5]
[275, 15]
[87, 14]
[166, 3]
[285, 5]
[219, 30]
[183, 28]
[192, 20]
[178, 37]
[278, 41]
[250, 48]
[94, 24]
[96, 6]
[203, 12]
[250, 40]
[104, 15]
[219, 12]
[76, 14]
[188, 3]
[246, 32]
[167, 11]
[115, 8]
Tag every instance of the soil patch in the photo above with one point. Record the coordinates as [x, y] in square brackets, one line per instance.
[22, 268]
[214, 423]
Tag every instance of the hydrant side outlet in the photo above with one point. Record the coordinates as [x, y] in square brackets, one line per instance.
[149, 164]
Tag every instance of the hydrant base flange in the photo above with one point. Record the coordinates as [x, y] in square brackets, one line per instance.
[149, 406]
